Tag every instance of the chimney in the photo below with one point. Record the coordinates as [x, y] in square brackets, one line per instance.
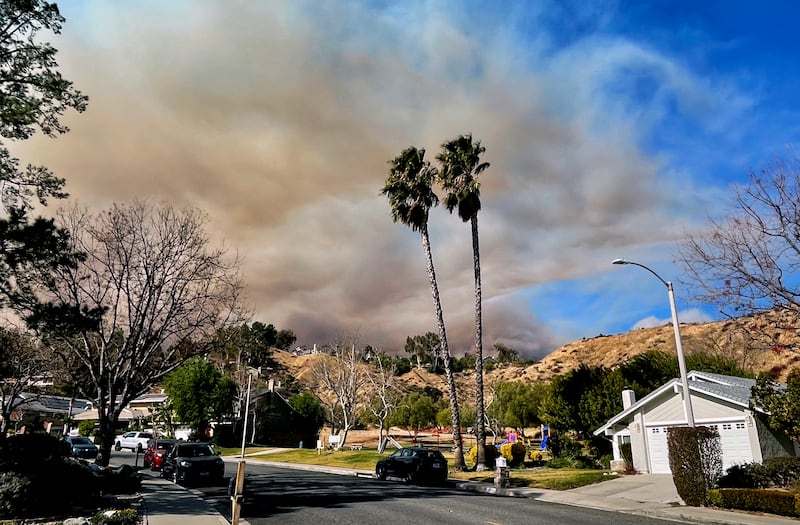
[628, 398]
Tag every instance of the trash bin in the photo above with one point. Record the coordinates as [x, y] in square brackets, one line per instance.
[501, 474]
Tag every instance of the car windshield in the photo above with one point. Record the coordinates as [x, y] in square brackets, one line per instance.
[80, 441]
[165, 443]
[194, 451]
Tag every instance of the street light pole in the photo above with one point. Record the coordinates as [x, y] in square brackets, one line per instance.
[246, 412]
[687, 401]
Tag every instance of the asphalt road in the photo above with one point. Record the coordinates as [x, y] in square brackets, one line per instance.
[301, 497]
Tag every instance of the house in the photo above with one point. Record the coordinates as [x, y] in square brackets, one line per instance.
[273, 422]
[46, 412]
[139, 410]
[717, 400]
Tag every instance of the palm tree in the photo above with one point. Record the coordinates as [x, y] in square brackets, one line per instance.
[460, 166]
[409, 188]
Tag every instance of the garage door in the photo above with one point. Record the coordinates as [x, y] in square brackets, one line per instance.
[735, 444]
[734, 439]
[657, 448]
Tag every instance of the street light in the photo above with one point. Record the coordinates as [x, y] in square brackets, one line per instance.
[687, 401]
[246, 413]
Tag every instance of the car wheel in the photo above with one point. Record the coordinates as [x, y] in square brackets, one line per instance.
[117, 446]
[380, 472]
[411, 477]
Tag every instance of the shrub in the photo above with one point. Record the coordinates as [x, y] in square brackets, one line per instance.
[122, 480]
[774, 472]
[695, 458]
[758, 500]
[782, 471]
[13, 491]
[564, 446]
[38, 479]
[491, 455]
[85, 428]
[559, 463]
[31, 451]
[117, 517]
[605, 461]
[513, 452]
[627, 456]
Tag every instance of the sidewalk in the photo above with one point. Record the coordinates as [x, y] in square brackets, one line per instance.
[166, 503]
[651, 495]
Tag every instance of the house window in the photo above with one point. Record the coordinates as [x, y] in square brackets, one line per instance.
[727, 426]
[739, 426]
[623, 439]
[655, 430]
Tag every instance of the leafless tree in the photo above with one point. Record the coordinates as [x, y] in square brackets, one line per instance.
[22, 365]
[339, 381]
[748, 262]
[384, 394]
[151, 290]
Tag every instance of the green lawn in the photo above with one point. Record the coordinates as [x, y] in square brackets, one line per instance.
[545, 478]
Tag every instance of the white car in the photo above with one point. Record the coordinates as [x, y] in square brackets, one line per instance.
[136, 441]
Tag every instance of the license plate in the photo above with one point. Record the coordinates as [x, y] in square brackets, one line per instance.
[437, 465]
[205, 474]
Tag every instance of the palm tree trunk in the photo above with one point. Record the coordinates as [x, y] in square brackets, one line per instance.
[458, 460]
[480, 435]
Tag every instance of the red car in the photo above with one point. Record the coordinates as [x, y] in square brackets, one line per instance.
[156, 450]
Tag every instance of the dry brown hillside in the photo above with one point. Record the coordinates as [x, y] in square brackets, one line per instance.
[777, 351]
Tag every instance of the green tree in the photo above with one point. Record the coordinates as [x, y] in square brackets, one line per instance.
[517, 404]
[409, 188]
[285, 339]
[414, 412]
[309, 407]
[582, 399]
[200, 393]
[461, 164]
[33, 97]
[424, 349]
[505, 354]
[782, 405]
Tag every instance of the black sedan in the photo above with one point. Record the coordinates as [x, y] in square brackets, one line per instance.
[81, 447]
[196, 463]
[413, 465]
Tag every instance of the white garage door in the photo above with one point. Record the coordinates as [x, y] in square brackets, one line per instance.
[735, 444]
[658, 451]
[734, 439]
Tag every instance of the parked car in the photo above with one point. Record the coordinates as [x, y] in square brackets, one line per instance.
[136, 441]
[81, 447]
[413, 465]
[193, 463]
[156, 450]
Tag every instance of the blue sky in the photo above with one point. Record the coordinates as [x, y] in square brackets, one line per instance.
[613, 129]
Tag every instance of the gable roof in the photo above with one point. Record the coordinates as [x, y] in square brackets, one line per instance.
[54, 404]
[731, 389]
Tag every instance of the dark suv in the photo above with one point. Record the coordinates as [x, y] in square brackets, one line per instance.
[195, 463]
[413, 465]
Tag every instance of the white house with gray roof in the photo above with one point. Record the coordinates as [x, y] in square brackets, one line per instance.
[717, 400]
